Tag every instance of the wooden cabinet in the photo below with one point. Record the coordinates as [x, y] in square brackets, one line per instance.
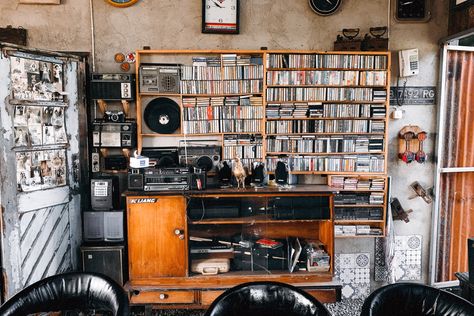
[157, 243]
[163, 229]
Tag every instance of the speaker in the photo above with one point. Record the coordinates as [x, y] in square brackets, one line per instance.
[105, 260]
[103, 226]
[112, 86]
[135, 180]
[470, 251]
[161, 115]
[258, 174]
[281, 173]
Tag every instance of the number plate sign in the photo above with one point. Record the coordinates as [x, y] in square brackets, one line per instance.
[414, 95]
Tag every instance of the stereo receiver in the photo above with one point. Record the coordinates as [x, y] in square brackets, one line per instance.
[112, 86]
[111, 134]
[178, 178]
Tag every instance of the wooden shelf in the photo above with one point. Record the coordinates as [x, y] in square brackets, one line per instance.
[323, 154]
[329, 69]
[318, 133]
[358, 205]
[357, 221]
[322, 86]
[325, 118]
[332, 102]
[359, 236]
[258, 219]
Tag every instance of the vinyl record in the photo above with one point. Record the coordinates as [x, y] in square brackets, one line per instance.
[162, 115]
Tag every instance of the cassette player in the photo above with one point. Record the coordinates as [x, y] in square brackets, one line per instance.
[162, 78]
[114, 134]
[178, 178]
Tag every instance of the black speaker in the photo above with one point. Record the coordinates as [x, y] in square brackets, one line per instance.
[105, 260]
[258, 174]
[162, 115]
[281, 173]
[470, 252]
[135, 180]
[225, 174]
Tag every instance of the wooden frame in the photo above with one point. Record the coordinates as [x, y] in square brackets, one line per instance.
[40, 1]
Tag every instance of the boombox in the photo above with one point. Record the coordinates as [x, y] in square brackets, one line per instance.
[202, 157]
[110, 134]
[112, 86]
[162, 78]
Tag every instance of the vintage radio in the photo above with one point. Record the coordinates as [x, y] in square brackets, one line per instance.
[202, 157]
[112, 86]
[161, 78]
[115, 162]
[111, 134]
[173, 179]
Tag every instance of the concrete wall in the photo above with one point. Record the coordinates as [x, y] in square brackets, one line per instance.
[168, 24]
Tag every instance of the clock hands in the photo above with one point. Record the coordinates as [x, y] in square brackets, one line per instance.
[217, 4]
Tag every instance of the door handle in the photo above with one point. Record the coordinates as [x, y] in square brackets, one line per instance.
[179, 232]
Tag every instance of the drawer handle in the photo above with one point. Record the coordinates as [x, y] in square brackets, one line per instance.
[163, 296]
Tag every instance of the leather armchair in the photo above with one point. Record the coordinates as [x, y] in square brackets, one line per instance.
[69, 291]
[266, 299]
[411, 299]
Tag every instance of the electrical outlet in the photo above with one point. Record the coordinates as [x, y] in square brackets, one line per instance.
[95, 165]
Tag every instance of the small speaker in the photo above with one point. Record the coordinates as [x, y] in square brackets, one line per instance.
[258, 174]
[281, 173]
[470, 251]
[105, 260]
[161, 115]
[93, 226]
[225, 174]
[135, 180]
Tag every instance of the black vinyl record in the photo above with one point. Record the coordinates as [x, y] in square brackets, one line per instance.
[162, 115]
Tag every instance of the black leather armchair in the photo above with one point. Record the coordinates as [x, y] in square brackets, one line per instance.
[410, 299]
[266, 299]
[69, 291]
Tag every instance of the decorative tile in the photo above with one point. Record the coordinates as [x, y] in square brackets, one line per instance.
[353, 270]
[407, 259]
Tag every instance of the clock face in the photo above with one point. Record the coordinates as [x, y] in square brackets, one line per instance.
[411, 9]
[122, 3]
[220, 16]
[324, 7]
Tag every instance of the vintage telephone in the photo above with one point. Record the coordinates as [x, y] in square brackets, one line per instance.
[408, 62]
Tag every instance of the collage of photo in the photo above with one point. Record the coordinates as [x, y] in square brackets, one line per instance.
[41, 169]
[39, 125]
[36, 80]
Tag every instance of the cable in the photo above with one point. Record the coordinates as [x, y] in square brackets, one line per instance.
[400, 103]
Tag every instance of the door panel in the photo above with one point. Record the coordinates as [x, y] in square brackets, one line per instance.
[155, 247]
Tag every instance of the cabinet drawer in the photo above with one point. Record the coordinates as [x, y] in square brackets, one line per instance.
[207, 297]
[163, 297]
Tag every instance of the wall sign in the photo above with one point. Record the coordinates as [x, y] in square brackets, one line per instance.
[421, 95]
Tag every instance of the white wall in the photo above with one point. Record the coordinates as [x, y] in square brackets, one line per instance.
[169, 24]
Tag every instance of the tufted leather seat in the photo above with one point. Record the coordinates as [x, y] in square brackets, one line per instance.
[266, 299]
[410, 299]
[69, 291]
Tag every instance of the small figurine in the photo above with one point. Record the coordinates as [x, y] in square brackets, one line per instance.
[239, 173]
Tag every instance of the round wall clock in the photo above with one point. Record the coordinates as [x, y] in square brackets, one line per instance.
[324, 7]
[122, 3]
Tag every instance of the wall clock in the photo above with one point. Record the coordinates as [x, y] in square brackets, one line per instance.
[220, 16]
[325, 7]
[122, 3]
[412, 10]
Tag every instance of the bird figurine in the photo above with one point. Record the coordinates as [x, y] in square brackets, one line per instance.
[239, 173]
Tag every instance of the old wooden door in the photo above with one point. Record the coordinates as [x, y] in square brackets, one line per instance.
[41, 106]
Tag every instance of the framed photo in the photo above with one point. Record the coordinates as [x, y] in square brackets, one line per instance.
[40, 1]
